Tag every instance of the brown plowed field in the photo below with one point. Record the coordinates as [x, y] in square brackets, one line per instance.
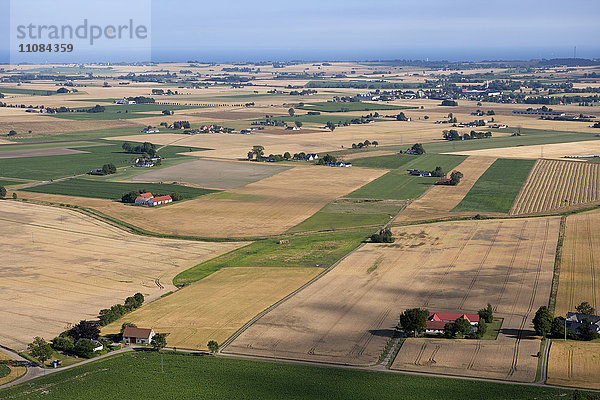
[61, 266]
[348, 315]
[553, 185]
[579, 278]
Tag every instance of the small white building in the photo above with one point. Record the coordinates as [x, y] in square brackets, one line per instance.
[133, 335]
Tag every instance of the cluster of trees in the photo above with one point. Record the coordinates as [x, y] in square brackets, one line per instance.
[327, 159]
[181, 125]
[482, 113]
[141, 99]
[2, 192]
[161, 91]
[453, 134]
[107, 169]
[366, 143]
[168, 112]
[96, 109]
[144, 148]
[450, 103]
[546, 325]
[108, 315]
[256, 153]
[455, 177]
[401, 117]
[79, 341]
[382, 236]
[417, 148]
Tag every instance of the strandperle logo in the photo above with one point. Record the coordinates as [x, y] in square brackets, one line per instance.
[84, 31]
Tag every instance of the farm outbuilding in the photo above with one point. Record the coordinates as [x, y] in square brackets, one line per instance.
[133, 335]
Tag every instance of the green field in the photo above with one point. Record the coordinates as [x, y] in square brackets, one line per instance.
[124, 111]
[6, 182]
[114, 190]
[54, 167]
[83, 135]
[4, 370]
[399, 185]
[148, 375]
[49, 145]
[394, 161]
[347, 213]
[315, 250]
[32, 92]
[330, 106]
[496, 189]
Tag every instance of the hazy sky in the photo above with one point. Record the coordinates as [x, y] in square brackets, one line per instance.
[376, 29]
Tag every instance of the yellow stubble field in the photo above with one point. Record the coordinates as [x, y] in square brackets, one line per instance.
[348, 315]
[574, 364]
[63, 267]
[268, 207]
[217, 306]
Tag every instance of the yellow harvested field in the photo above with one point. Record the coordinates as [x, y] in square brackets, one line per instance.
[270, 206]
[65, 266]
[555, 150]
[574, 364]
[16, 368]
[554, 184]
[579, 278]
[348, 315]
[215, 307]
[439, 200]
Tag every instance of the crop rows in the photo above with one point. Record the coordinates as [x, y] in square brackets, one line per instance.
[554, 184]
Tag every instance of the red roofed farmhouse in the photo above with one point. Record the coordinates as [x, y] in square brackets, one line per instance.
[147, 199]
[437, 320]
[133, 335]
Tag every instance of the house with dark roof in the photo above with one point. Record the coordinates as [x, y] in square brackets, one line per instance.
[576, 321]
[133, 335]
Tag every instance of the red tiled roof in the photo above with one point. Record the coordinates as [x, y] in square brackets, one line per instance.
[162, 198]
[451, 317]
[137, 332]
[147, 194]
[436, 325]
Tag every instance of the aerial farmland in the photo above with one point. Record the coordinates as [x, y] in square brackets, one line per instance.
[300, 210]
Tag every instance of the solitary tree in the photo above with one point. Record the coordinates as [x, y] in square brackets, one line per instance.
[414, 320]
[85, 329]
[2, 191]
[213, 346]
[40, 349]
[418, 148]
[258, 151]
[542, 322]
[291, 112]
[583, 308]
[85, 348]
[159, 341]
[298, 124]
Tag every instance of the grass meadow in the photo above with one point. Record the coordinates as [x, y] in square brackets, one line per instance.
[497, 188]
[398, 184]
[125, 111]
[140, 375]
[329, 106]
[314, 250]
[53, 167]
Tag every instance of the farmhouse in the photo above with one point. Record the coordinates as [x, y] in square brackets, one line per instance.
[311, 157]
[437, 321]
[575, 321]
[133, 335]
[150, 129]
[148, 199]
[416, 172]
